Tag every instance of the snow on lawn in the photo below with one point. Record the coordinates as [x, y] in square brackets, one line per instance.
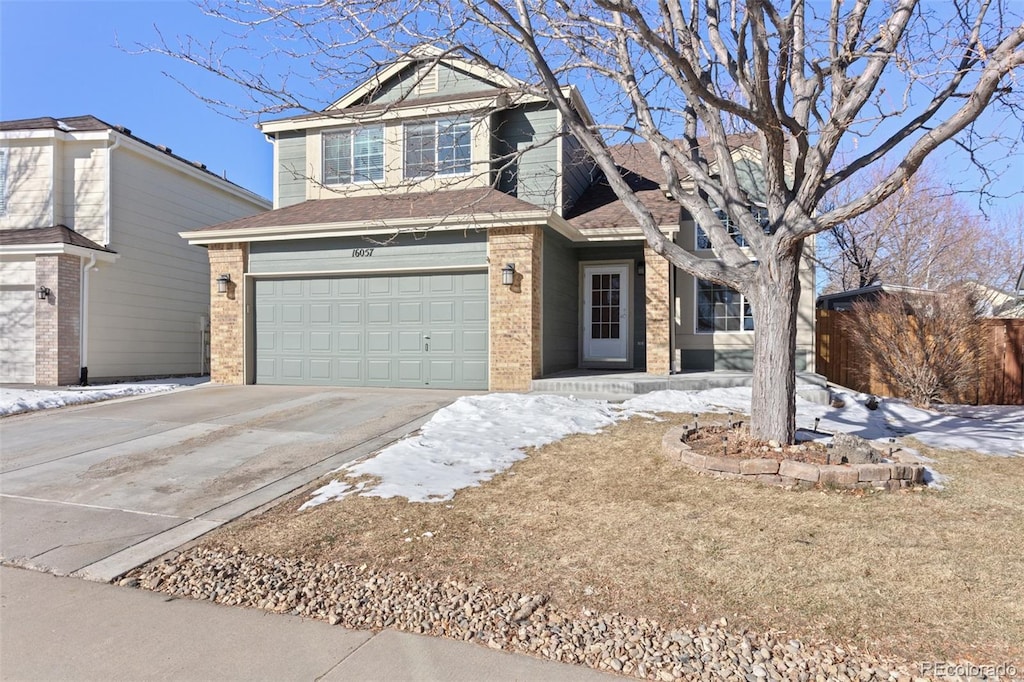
[16, 400]
[478, 437]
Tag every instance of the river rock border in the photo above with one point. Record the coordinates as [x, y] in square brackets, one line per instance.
[789, 473]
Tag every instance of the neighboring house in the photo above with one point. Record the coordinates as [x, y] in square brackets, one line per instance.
[95, 282]
[410, 247]
[843, 301]
[990, 301]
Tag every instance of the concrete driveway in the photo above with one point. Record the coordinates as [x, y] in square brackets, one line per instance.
[97, 490]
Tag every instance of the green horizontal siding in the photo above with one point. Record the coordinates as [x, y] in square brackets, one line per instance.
[338, 254]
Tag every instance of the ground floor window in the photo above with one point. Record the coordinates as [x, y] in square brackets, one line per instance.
[721, 309]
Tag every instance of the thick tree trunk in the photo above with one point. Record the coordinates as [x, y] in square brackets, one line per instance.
[774, 298]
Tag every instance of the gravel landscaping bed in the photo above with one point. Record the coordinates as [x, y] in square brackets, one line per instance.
[361, 598]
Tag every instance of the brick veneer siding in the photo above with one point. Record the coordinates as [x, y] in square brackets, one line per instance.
[59, 320]
[515, 312]
[657, 310]
[227, 313]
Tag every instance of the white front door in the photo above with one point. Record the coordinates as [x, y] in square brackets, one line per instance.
[606, 299]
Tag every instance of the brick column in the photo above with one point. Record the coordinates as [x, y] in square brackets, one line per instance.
[515, 312]
[58, 320]
[657, 309]
[227, 313]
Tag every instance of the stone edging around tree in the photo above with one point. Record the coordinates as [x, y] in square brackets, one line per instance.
[789, 473]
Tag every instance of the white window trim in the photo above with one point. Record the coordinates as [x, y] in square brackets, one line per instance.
[436, 174]
[365, 183]
[4, 153]
[697, 229]
[713, 332]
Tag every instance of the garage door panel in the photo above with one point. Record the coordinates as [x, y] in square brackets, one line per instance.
[474, 341]
[291, 313]
[410, 342]
[410, 312]
[378, 342]
[291, 369]
[291, 342]
[320, 369]
[350, 342]
[349, 313]
[320, 287]
[442, 342]
[320, 342]
[320, 313]
[378, 313]
[474, 311]
[17, 333]
[379, 370]
[387, 330]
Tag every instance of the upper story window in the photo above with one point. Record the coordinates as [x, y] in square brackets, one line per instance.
[3, 181]
[704, 242]
[355, 155]
[439, 147]
[721, 309]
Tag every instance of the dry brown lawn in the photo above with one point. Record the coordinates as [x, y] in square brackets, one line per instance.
[606, 522]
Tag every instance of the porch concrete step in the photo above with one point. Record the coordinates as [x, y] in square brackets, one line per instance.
[622, 385]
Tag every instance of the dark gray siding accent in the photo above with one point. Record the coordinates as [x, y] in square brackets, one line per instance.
[529, 133]
[292, 170]
[338, 254]
[449, 82]
[635, 253]
[735, 360]
[561, 300]
[577, 171]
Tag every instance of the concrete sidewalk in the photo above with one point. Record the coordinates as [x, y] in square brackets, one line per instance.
[58, 628]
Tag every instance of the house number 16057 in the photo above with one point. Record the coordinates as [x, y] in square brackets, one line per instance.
[362, 253]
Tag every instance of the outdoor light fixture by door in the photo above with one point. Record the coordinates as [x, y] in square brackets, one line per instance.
[508, 274]
[43, 293]
[222, 283]
[640, 268]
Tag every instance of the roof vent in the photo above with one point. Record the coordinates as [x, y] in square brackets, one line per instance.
[122, 129]
[165, 149]
[199, 164]
[427, 77]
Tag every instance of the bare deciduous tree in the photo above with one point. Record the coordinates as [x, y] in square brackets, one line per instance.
[826, 92]
[922, 236]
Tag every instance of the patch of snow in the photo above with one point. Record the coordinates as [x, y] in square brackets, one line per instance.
[478, 437]
[18, 400]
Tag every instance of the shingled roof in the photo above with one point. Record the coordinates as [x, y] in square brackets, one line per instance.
[56, 234]
[599, 207]
[416, 205]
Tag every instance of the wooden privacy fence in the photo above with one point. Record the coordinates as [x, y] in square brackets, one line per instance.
[843, 362]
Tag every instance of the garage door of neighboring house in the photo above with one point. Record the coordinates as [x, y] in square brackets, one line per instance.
[409, 330]
[17, 334]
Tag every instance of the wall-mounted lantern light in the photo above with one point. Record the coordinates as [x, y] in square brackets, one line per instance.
[43, 293]
[640, 268]
[222, 283]
[508, 274]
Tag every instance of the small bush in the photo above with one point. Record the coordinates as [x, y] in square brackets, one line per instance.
[926, 349]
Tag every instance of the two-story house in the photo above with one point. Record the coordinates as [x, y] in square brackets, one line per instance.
[435, 227]
[95, 282]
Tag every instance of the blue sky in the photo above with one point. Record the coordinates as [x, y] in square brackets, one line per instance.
[61, 59]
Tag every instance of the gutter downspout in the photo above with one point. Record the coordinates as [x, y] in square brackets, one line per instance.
[88, 266]
[84, 321]
[110, 184]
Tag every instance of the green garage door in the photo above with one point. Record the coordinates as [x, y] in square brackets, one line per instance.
[398, 330]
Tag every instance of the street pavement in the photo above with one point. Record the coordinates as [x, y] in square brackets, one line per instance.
[97, 490]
